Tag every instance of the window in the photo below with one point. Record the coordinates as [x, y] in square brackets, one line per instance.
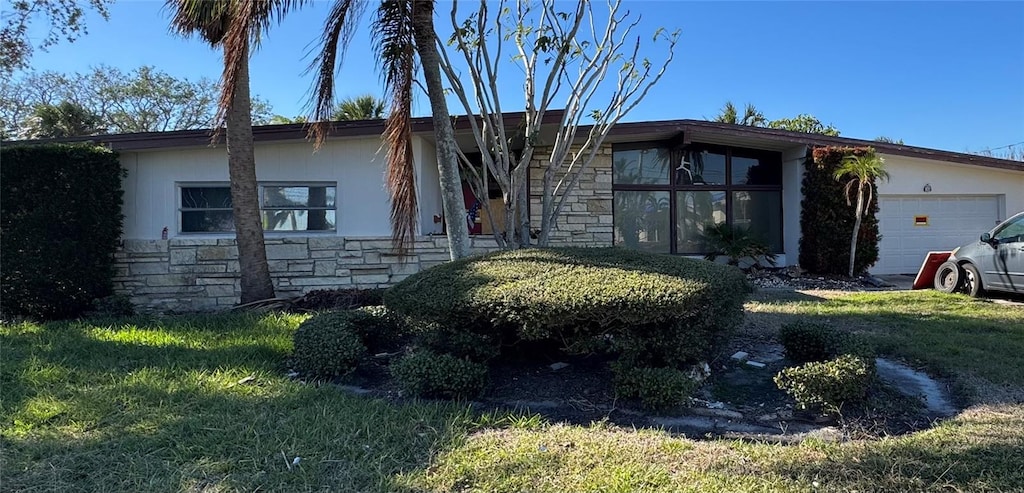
[283, 208]
[664, 198]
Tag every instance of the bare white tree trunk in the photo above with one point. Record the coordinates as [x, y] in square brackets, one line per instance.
[554, 56]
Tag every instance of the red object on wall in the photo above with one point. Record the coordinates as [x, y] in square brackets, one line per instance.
[926, 275]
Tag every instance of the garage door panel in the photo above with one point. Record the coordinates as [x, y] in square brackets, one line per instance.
[951, 221]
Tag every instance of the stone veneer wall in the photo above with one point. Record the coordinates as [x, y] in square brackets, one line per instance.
[190, 274]
[586, 219]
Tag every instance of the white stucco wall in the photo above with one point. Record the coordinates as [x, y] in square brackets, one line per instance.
[429, 189]
[792, 193]
[908, 176]
[354, 164]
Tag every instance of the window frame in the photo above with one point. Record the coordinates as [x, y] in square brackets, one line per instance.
[676, 155]
[260, 190]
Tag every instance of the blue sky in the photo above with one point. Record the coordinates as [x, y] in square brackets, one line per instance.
[947, 75]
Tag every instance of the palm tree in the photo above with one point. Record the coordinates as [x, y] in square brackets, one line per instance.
[861, 172]
[66, 119]
[365, 107]
[216, 23]
[402, 29]
[751, 116]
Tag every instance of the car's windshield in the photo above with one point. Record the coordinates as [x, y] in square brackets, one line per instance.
[1014, 231]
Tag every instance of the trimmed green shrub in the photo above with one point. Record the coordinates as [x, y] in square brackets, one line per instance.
[828, 384]
[462, 343]
[666, 310]
[116, 305]
[60, 217]
[327, 345]
[805, 342]
[826, 221]
[428, 374]
[656, 388]
[378, 328]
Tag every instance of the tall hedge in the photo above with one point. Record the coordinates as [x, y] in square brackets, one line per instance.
[826, 220]
[60, 221]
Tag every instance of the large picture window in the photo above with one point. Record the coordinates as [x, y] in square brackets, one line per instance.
[664, 198]
[206, 208]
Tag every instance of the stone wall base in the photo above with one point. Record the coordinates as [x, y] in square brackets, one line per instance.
[190, 274]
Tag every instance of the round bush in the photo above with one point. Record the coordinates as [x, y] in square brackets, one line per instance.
[428, 374]
[656, 388]
[327, 345]
[378, 328]
[667, 310]
[828, 384]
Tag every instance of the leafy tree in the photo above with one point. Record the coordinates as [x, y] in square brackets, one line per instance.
[66, 19]
[754, 118]
[284, 120]
[751, 116]
[888, 140]
[804, 123]
[142, 100]
[66, 119]
[240, 22]
[562, 54]
[365, 107]
[860, 173]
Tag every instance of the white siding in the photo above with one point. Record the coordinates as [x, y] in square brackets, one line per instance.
[792, 183]
[354, 164]
[428, 180]
[908, 176]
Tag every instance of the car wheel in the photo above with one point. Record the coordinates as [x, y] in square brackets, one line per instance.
[948, 277]
[972, 281]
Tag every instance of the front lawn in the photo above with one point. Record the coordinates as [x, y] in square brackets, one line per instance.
[202, 404]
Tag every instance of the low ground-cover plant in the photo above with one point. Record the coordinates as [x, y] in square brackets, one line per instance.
[327, 345]
[828, 384]
[428, 374]
[656, 388]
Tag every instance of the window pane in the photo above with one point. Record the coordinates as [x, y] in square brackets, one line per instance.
[205, 197]
[695, 210]
[756, 168]
[298, 220]
[641, 166]
[762, 213]
[298, 196]
[701, 167]
[206, 221]
[641, 221]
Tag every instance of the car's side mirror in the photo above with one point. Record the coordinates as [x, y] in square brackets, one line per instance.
[986, 238]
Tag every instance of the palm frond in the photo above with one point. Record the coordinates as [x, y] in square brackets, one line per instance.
[396, 53]
[338, 30]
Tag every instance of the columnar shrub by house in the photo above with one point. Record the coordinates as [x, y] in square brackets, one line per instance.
[60, 221]
[826, 220]
[653, 311]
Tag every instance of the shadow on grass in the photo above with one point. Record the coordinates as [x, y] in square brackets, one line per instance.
[180, 404]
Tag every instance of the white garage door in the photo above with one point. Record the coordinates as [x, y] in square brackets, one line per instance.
[913, 225]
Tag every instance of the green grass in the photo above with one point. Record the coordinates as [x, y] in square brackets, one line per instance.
[949, 334]
[161, 405]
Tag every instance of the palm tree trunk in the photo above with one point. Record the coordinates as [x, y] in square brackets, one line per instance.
[252, 253]
[856, 226]
[444, 133]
